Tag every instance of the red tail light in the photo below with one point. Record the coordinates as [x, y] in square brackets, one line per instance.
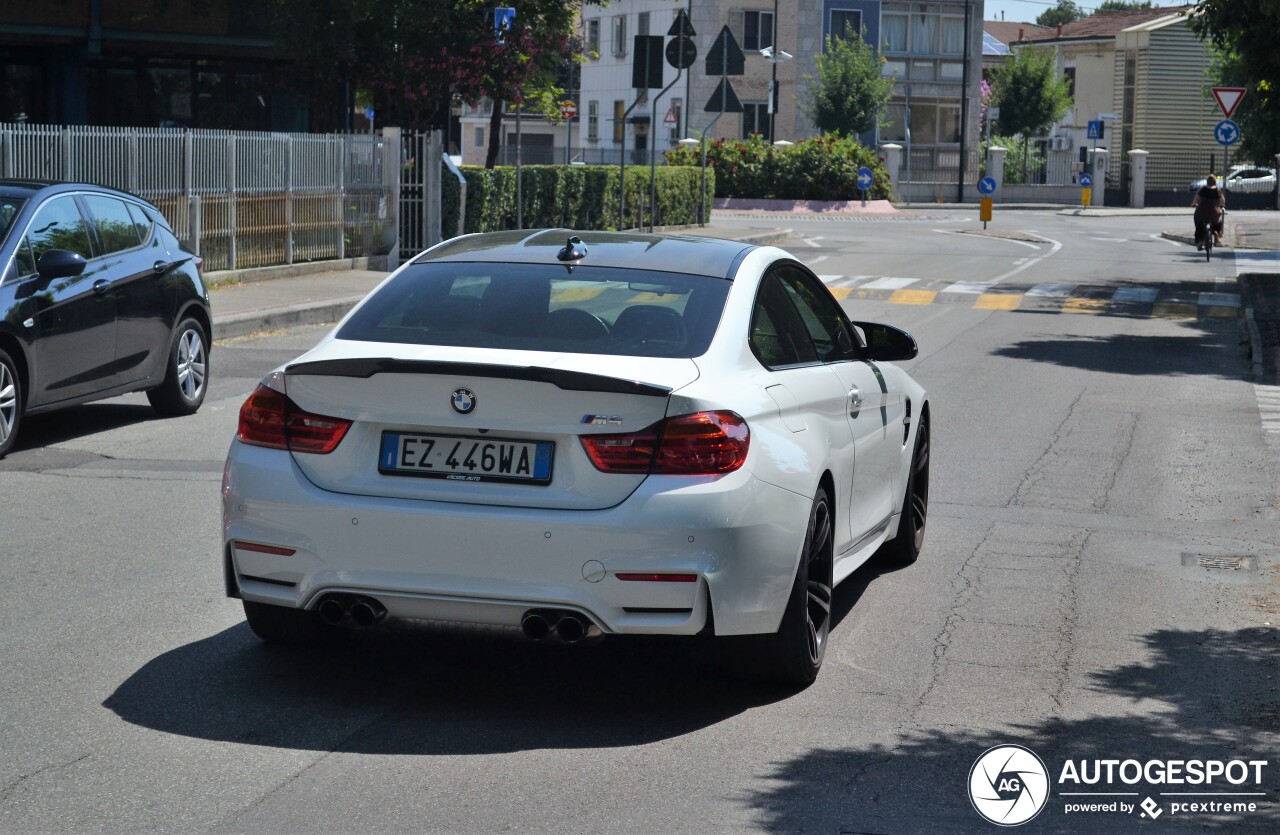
[704, 443]
[270, 419]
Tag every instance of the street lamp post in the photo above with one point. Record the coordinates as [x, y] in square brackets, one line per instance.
[689, 141]
[774, 55]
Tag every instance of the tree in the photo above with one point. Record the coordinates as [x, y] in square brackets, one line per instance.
[1243, 31]
[1124, 5]
[1065, 12]
[849, 90]
[1030, 94]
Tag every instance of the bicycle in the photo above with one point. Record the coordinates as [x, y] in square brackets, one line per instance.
[1206, 234]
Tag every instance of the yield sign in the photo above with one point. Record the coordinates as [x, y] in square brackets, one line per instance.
[1228, 99]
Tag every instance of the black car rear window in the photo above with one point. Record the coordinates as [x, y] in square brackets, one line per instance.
[540, 307]
[9, 208]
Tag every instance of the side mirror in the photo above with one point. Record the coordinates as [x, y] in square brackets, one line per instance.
[59, 263]
[885, 343]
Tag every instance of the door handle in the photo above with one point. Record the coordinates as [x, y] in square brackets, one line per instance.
[101, 285]
[160, 266]
[855, 402]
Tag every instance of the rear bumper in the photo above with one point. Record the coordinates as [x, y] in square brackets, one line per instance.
[740, 537]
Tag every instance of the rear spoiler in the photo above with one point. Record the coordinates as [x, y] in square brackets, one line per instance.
[560, 378]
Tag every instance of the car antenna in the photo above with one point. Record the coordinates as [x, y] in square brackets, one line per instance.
[574, 250]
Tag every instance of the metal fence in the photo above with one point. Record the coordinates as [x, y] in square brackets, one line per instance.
[555, 155]
[239, 198]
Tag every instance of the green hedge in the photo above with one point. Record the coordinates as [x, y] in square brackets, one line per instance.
[573, 196]
[822, 168]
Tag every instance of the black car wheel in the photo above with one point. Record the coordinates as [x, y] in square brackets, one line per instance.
[904, 548]
[10, 403]
[186, 374]
[793, 655]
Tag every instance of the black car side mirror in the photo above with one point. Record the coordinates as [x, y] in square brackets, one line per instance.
[59, 263]
[885, 343]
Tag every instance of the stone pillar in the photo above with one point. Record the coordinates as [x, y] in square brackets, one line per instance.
[1138, 179]
[1278, 181]
[1098, 169]
[892, 162]
[995, 166]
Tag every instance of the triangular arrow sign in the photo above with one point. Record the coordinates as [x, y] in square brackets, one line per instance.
[723, 100]
[725, 56]
[681, 27]
[1228, 99]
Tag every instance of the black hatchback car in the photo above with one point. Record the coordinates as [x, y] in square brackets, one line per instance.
[97, 298]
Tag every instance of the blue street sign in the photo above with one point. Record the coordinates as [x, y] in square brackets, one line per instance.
[864, 178]
[1086, 180]
[1227, 132]
[1095, 129]
[503, 18]
[987, 185]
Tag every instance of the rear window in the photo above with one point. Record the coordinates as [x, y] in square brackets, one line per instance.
[540, 307]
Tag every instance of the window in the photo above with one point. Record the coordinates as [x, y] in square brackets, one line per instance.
[757, 30]
[1070, 75]
[479, 137]
[593, 38]
[59, 225]
[778, 336]
[755, 119]
[952, 36]
[620, 35]
[115, 227]
[140, 221]
[924, 34]
[893, 32]
[893, 124]
[619, 126]
[846, 23]
[827, 326]
[642, 23]
[593, 121]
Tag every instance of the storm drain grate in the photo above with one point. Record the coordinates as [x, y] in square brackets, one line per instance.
[1220, 563]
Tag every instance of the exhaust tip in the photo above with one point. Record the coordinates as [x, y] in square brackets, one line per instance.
[571, 629]
[331, 611]
[534, 625]
[367, 612]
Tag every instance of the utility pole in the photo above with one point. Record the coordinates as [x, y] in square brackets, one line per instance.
[773, 81]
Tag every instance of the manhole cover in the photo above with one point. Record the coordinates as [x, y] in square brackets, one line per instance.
[1220, 562]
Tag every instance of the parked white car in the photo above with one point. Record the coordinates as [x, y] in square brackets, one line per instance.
[1245, 179]
[581, 436]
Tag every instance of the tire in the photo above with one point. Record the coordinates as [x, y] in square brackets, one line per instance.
[904, 548]
[793, 655]
[11, 403]
[186, 375]
[285, 625]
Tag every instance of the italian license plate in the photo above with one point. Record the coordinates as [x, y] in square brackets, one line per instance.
[465, 458]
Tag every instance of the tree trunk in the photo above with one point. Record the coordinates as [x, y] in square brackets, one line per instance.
[495, 135]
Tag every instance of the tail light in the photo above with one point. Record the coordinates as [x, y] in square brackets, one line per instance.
[704, 443]
[270, 419]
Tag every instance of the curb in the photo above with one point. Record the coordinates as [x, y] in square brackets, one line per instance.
[250, 274]
[317, 313]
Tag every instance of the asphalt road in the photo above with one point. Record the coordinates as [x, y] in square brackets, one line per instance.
[1091, 454]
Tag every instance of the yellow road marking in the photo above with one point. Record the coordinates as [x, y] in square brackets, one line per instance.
[840, 293]
[576, 294]
[1174, 310]
[913, 297]
[1222, 312]
[998, 301]
[653, 298]
[1077, 305]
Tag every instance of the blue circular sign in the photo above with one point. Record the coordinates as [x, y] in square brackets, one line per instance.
[1226, 132]
[1086, 180]
[864, 178]
[987, 185]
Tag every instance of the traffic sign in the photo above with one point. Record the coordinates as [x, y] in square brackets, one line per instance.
[987, 185]
[1085, 180]
[670, 118]
[723, 100]
[681, 53]
[568, 109]
[1095, 129]
[725, 56]
[681, 27]
[865, 178]
[1226, 132]
[1228, 100]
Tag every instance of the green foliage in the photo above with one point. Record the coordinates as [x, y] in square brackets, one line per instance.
[1065, 12]
[1123, 5]
[1022, 158]
[847, 94]
[822, 168]
[574, 197]
[1029, 92]
[1243, 31]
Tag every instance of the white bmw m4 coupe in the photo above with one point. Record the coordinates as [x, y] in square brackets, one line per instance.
[581, 435]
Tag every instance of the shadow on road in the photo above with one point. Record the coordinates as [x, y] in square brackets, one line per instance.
[1204, 353]
[80, 421]
[1204, 694]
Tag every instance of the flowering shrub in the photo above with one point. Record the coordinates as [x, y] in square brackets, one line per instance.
[822, 168]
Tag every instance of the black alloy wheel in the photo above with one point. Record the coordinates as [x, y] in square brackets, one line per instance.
[904, 548]
[186, 374]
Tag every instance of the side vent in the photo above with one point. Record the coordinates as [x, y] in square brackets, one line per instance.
[906, 423]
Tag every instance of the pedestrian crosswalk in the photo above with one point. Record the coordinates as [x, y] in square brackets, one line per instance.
[1171, 302]
[1269, 407]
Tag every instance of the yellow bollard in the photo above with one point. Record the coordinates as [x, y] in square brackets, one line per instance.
[985, 211]
[1085, 195]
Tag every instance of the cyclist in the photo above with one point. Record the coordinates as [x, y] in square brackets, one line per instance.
[1209, 204]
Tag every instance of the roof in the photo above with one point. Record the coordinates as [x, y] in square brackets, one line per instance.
[28, 186]
[686, 254]
[1104, 24]
[1009, 31]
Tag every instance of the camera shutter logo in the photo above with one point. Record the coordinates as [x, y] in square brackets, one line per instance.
[1008, 785]
[463, 401]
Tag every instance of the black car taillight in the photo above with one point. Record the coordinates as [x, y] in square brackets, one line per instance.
[703, 443]
[270, 419]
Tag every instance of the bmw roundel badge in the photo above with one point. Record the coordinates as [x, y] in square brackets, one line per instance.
[463, 401]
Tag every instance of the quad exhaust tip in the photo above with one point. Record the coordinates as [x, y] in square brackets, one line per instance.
[335, 609]
[569, 627]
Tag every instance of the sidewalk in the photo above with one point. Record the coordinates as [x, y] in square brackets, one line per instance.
[250, 301]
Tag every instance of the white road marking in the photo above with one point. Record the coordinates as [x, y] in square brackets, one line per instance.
[1257, 261]
[816, 260]
[889, 283]
[1057, 245]
[1268, 407]
[1111, 240]
[1053, 291]
[1160, 237]
[813, 241]
[976, 287]
[1139, 295]
[1220, 299]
